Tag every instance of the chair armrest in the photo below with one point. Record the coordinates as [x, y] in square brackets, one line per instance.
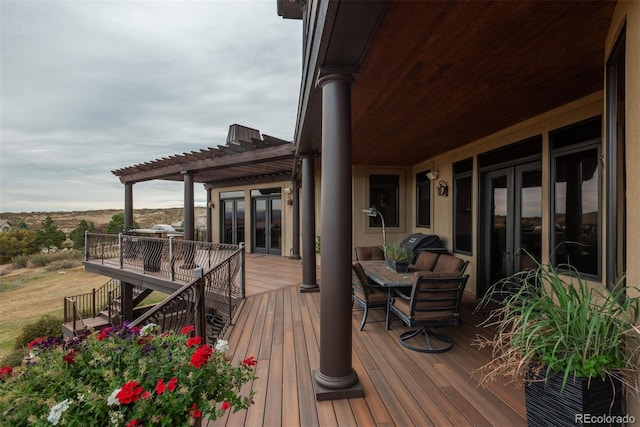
[400, 294]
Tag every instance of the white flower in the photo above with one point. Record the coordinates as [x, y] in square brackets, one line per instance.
[147, 329]
[112, 399]
[56, 411]
[222, 346]
[116, 417]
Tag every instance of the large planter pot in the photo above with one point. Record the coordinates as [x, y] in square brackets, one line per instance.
[581, 402]
[398, 266]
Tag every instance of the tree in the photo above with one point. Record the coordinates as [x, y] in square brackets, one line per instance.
[49, 236]
[77, 234]
[17, 242]
[117, 224]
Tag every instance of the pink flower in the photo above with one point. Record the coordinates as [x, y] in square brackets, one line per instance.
[194, 342]
[201, 356]
[225, 405]
[187, 330]
[251, 361]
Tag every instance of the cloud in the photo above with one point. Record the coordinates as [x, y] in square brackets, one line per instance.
[89, 87]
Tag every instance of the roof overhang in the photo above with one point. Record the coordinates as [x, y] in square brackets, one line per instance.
[434, 76]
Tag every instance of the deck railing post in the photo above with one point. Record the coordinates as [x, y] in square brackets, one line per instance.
[93, 302]
[200, 305]
[171, 260]
[242, 270]
[86, 245]
[120, 250]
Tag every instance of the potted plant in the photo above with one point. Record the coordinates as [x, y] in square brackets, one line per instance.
[398, 257]
[573, 346]
[124, 376]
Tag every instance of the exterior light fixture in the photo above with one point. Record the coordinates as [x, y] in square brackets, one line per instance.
[433, 175]
[373, 212]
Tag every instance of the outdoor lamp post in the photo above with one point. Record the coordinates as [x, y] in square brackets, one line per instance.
[373, 212]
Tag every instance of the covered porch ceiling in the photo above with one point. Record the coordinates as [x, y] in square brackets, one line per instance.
[434, 76]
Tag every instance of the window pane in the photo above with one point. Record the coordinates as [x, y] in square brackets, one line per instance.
[384, 191]
[423, 200]
[463, 211]
[577, 202]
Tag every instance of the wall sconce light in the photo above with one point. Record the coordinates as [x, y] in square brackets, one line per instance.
[433, 175]
[442, 189]
[289, 196]
[212, 205]
[373, 212]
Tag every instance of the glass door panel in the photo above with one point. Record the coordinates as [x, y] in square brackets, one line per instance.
[511, 223]
[232, 224]
[239, 222]
[276, 226]
[260, 225]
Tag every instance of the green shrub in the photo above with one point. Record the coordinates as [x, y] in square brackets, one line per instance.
[38, 260]
[20, 261]
[15, 357]
[46, 326]
[66, 255]
[62, 264]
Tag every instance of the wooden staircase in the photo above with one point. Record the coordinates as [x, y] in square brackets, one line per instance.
[76, 318]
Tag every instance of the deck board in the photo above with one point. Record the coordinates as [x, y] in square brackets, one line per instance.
[281, 327]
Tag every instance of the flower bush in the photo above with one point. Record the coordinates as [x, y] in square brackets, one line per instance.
[124, 376]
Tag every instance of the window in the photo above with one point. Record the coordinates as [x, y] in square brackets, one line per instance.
[423, 200]
[616, 166]
[463, 219]
[576, 196]
[384, 195]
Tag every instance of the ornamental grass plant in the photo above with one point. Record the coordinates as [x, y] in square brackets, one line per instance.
[124, 376]
[551, 321]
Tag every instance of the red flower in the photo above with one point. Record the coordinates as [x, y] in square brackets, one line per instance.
[103, 334]
[69, 357]
[129, 393]
[173, 382]
[225, 405]
[201, 356]
[146, 395]
[194, 411]
[251, 361]
[36, 341]
[187, 330]
[6, 371]
[133, 423]
[194, 342]
[160, 387]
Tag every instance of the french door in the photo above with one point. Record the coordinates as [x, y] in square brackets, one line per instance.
[511, 222]
[267, 224]
[232, 227]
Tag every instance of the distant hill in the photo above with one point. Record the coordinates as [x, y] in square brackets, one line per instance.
[67, 221]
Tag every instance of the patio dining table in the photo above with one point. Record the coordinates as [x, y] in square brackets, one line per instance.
[380, 273]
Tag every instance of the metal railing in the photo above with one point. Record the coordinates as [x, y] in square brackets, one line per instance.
[208, 302]
[91, 303]
[173, 258]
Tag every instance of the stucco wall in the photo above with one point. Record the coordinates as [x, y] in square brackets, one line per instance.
[287, 213]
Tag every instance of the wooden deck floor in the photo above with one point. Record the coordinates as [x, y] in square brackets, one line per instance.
[280, 327]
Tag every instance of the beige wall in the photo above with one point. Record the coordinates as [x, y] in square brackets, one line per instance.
[287, 212]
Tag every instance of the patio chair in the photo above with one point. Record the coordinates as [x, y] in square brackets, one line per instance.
[434, 302]
[366, 253]
[365, 293]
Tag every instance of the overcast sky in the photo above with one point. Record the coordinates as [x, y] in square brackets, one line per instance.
[92, 86]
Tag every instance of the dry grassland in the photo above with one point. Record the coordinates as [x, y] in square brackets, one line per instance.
[27, 294]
